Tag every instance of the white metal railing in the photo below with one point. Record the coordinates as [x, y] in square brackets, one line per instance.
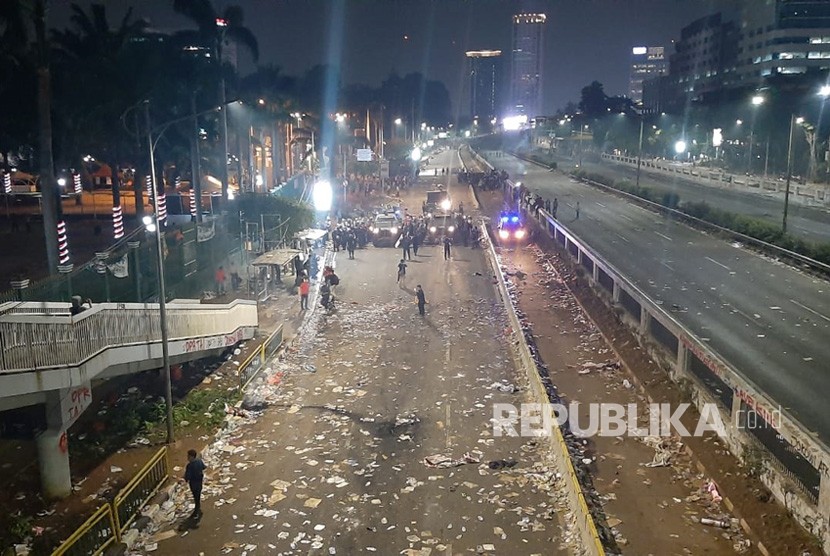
[44, 335]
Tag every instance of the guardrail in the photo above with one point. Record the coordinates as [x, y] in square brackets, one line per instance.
[249, 369]
[130, 499]
[804, 457]
[585, 522]
[105, 527]
[93, 537]
[35, 336]
[813, 264]
[803, 193]
[796, 464]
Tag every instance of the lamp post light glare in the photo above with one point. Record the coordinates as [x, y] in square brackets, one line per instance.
[398, 121]
[415, 154]
[62, 182]
[824, 91]
[322, 196]
[680, 147]
[757, 100]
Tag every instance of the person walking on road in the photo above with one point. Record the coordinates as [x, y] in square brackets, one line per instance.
[577, 211]
[421, 299]
[401, 270]
[406, 244]
[554, 207]
[447, 248]
[304, 289]
[194, 476]
[351, 244]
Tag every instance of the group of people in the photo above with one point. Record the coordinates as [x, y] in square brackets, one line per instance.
[487, 181]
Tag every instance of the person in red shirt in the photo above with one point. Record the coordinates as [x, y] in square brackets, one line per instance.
[304, 289]
[220, 280]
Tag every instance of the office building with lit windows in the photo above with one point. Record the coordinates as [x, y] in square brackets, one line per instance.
[484, 68]
[647, 62]
[526, 64]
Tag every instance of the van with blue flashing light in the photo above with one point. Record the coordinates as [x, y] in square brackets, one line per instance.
[511, 227]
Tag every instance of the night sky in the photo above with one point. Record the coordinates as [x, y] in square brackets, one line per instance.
[585, 39]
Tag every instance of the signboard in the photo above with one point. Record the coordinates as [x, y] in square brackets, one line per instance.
[74, 401]
[364, 155]
[384, 169]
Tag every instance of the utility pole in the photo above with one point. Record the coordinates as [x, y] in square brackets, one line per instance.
[789, 173]
[640, 151]
[222, 24]
[196, 162]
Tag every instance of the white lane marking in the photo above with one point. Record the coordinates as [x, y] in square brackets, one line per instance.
[816, 313]
[747, 317]
[719, 264]
[600, 204]
[623, 238]
[664, 237]
[627, 217]
[667, 266]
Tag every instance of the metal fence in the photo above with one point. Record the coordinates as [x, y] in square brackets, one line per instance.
[130, 499]
[105, 527]
[249, 368]
[93, 537]
[126, 271]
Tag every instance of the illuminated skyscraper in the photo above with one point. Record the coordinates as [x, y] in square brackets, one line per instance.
[526, 81]
[647, 62]
[485, 71]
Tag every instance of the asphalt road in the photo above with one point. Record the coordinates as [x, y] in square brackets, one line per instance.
[770, 321]
[354, 481]
[808, 223]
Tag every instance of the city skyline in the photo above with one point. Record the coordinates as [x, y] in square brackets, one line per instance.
[432, 37]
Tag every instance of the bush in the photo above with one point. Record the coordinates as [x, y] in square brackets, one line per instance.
[671, 200]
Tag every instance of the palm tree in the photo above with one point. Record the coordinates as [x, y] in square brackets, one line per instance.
[95, 54]
[214, 31]
[17, 81]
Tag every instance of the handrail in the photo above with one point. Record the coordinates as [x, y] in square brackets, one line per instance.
[33, 337]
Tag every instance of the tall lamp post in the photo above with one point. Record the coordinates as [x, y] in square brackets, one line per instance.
[793, 120]
[640, 151]
[757, 100]
[154, 224]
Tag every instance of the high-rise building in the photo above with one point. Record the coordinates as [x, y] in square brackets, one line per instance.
[647, 62]
[485, 72]
[783, 37]
[526, 79]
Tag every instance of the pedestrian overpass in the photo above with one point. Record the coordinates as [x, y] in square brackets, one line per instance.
[51, 357]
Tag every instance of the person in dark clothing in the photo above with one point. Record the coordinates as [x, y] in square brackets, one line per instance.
[416, 242]
[406, 243]
[421, 299]
[194, 476]
[351, 245]
[401, 270]
[447, 247]
[554, 207]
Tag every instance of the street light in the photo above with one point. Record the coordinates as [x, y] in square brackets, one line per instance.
[793, 121]
[680, 146]
[415, 154]
[322, 195]
[639, 149]
[824, 91]
[756, 101]
[398, 121]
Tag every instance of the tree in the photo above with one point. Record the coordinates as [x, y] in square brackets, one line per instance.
[17, 81]
[214, 29]
[94, 54]
[593, 101]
